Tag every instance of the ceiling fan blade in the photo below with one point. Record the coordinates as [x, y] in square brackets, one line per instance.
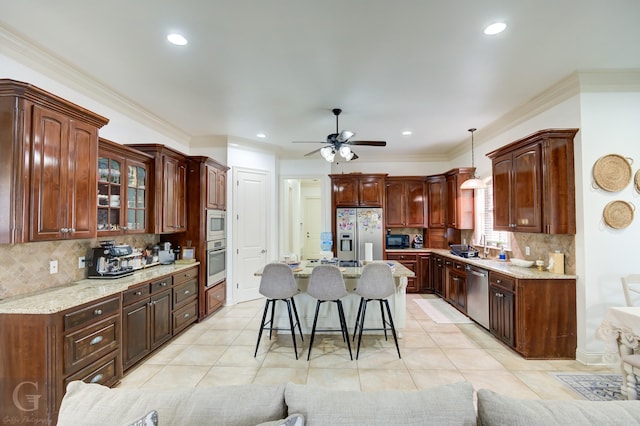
[308, 141]
[312, 152]
[344, 136]
[370, 143]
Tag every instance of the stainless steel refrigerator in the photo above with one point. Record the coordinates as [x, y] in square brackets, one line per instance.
[354, 228]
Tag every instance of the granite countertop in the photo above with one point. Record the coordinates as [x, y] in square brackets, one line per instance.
[506, 268]
[305, 269]
[64, 297]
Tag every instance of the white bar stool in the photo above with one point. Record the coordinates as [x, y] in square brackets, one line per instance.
[327, 285]
[277, 283]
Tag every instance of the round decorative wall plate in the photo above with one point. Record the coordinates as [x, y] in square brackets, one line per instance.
[612, 172]
[618, 214]
[637, 181]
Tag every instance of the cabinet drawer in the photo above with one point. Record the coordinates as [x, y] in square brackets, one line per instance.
[135, 294]
[185, 316]
[458, 266]
[215, 297]
[162, 284]
[505, 282]
[90, 343]
[104, 372]
[183, 276]
[184, 292]
[92, 313]
[401, 256]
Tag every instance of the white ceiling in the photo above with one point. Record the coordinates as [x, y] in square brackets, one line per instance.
[280, 66]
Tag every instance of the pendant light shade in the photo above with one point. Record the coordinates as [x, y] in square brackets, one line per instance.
[475, 182]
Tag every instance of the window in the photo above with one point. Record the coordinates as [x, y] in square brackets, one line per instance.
[484, 219]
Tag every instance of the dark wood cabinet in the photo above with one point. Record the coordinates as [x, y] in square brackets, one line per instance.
[216, 188]
[405, 202]
[358, 190]
[48, 166]
[536, 317]
[437, 273]
[534, 183]
[409, 260]
[456, 280]
[459, 204]
[169, 197]
[185, 299]
[502, 308]
[123, 189]
[436, 196]
[424, 273]
[215, 297]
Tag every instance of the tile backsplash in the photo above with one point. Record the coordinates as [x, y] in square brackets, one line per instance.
[540, 245]
[24, 268]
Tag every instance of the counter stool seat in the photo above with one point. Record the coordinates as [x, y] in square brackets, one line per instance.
[327, 285]
[375, 284]
[278, 284]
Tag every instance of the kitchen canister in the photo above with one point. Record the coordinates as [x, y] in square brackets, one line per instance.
[556, 262]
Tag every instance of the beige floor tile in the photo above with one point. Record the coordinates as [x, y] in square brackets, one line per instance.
[425, 379]
[190, 335]
[334, 378]
[286, 359]
[415, 339]
[217, 337]
[384, 359]
[167, 353]
[176, 376]
[275, 375]
[452, 340]
[331, 361]
[232, 323]
[426, 359]
[199, 355]
[512, 361]
[139, 375]
[239, 356]
[377, 380]
[473, 359]
[224, 376]
[501, 381]
[545, 385]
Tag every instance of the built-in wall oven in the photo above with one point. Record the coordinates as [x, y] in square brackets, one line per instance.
[216, 261]
[216, 225]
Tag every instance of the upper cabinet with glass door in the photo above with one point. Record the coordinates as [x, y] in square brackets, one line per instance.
[123, 189]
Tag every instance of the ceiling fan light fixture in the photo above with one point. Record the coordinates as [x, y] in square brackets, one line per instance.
[350, 156]
[345, 151]
[475, 182]
[328, 153]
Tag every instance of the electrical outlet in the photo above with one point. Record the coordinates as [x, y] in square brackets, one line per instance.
[81, 263]
[53, 267]
[527, 251]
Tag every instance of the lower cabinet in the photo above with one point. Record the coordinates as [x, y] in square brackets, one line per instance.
[424, 273]
[215, 297]
[457, 285]
[437, 274]
[408, 260]
[502, 308]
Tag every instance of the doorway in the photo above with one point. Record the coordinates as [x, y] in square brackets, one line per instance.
[302, 218]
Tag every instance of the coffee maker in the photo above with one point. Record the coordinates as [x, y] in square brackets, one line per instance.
[109, 261]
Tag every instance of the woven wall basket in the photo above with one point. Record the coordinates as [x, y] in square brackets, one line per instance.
[612, 172]
[637, 181]
[618, 214]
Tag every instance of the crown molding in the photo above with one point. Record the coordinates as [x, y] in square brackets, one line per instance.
[39, 59]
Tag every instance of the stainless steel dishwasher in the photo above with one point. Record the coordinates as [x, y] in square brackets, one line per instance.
[478, 295]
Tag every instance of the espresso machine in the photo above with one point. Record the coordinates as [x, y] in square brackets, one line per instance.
[109, 261]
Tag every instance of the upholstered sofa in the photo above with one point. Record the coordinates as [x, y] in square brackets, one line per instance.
[297, 405]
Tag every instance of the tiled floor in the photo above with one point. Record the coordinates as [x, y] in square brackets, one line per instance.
[219, 351]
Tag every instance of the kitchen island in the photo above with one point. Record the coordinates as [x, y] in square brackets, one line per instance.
[328, 316]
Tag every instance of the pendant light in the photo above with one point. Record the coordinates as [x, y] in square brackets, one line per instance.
[475, 182]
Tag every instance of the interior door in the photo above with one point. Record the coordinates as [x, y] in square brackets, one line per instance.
[311, 228]
[251, 206]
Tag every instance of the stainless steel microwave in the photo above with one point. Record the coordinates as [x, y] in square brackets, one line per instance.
[216, 225]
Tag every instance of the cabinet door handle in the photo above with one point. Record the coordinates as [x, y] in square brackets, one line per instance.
[187, 292]
[138, 293]
[64, 230]
[96, 340]
[163, 284]
[97, 378]
[72, 229]
[97, 312]
[186, 315]
[498, 281]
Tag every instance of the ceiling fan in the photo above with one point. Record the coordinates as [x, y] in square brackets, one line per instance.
[340, 142]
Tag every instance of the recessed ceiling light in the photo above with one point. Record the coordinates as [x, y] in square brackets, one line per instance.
[496, 28]
[261, 135]
[177, 39]
[407, 133]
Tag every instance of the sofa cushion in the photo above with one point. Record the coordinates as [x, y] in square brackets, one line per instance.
[291, 420]
[229, 405]
[496, 409]
[443, 405]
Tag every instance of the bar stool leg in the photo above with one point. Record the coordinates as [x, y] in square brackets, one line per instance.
[393, 328]
[273, 311]
[343, 324]
[313, 329]
[295, 311]
[355, 329]
[293, 330]
[364, 311]
[264, 317]
[384, 321]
